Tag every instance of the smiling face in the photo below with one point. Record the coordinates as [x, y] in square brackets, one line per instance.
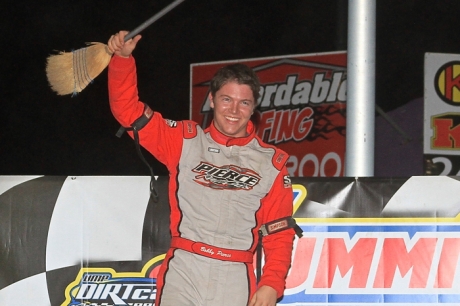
[233, 106]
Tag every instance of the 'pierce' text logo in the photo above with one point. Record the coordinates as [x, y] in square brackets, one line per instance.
[226, 177]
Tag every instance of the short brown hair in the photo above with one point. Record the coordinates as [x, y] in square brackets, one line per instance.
[239, 73]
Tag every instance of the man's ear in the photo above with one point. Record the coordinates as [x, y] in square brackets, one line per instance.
[211, 100]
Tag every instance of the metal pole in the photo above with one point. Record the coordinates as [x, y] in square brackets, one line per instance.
[359, 157]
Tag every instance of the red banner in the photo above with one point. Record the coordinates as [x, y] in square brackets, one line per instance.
[301, 109]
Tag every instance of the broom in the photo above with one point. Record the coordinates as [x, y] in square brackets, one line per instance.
[71, 72]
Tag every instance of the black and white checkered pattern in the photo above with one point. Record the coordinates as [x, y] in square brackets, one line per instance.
[51, 227]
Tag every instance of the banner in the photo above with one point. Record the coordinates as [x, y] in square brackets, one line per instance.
[301, 109]
[101, 240]
[442, 114]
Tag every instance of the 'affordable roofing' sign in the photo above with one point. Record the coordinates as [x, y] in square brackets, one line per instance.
[301, 107]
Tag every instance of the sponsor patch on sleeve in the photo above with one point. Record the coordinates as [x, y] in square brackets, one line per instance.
[287, 181]
[171, 123]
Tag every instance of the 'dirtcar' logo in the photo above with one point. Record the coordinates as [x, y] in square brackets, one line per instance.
[226, 177]
[447, 83]
[105, 286]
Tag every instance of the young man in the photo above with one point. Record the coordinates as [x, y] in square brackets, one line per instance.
[224, 184]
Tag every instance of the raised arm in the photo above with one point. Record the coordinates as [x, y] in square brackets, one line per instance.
[159, 138]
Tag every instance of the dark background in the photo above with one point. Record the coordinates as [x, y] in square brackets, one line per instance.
[45, 134]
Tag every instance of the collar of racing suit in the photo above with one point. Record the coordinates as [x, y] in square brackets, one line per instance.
[232, 141]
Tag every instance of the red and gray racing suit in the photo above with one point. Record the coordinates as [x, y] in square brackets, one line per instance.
[221, 191]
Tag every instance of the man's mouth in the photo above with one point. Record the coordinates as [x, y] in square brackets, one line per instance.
[231, 119]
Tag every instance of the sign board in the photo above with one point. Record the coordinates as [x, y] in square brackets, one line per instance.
[442, 114]
[101, 240]
[301, 109]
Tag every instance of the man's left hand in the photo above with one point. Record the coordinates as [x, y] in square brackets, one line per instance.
[264, 296]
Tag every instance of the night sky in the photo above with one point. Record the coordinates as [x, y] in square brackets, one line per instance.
[45, 134]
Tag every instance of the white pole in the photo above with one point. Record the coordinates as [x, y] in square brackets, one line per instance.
[359, 156]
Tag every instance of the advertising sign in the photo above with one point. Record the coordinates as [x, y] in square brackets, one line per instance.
[301, 109]
[100, 241]
[442, 114]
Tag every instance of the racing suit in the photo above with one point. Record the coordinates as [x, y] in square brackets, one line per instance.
[221, 191]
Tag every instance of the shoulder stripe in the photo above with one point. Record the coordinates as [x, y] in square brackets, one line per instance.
[189, 129]
[279, 159]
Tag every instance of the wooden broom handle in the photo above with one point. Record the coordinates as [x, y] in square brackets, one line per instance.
[152, 19]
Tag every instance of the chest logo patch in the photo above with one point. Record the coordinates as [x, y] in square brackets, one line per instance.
[226, 177]
[213, 150]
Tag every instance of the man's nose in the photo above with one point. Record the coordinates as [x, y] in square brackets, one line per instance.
[234, 107]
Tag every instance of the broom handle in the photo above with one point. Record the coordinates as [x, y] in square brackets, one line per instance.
[152, 19]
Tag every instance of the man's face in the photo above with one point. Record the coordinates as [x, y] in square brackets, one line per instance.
[233, 106]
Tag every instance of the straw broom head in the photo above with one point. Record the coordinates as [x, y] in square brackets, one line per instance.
[71, 72]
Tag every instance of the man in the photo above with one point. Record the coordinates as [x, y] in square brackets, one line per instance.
[224, 184]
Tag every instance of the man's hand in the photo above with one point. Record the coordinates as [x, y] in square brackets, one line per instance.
[264, 296]
[118, 46]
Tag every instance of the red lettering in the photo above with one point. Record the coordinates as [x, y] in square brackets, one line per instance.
[452, 82]
[395, 255]
[448, 263]
[301, 262]
[335, 255]
[446, 135]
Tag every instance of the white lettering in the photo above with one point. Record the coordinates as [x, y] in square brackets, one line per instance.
[118, 293]
[302, 94]
[311, 165]
[220, 253]
[284, 92]
[320, 89]
[111, 290]
[207, 250]
[86, 291]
